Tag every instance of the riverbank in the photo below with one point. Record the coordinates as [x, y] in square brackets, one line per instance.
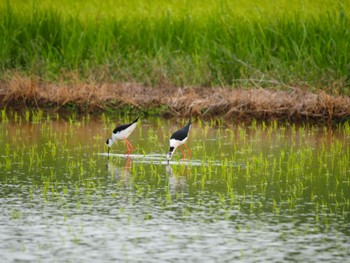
[292, 104]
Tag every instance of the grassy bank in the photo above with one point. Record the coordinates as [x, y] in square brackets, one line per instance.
[294, 105]
[200, 43]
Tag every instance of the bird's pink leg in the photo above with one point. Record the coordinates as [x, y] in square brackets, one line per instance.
[128, 146]
[131, 148]
[184, 155]
[188, 151]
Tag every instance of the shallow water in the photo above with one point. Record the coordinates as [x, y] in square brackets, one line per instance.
[249, 193]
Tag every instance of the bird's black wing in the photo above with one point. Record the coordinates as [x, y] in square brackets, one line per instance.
[124, 126]
[181, 134]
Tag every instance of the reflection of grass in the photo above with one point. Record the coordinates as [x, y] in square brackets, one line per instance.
[15, 214]
[239, 43]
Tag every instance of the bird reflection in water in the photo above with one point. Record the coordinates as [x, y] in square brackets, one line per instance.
[121, 173]
[178, 178]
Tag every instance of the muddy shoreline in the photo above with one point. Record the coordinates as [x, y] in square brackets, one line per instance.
[292, 105]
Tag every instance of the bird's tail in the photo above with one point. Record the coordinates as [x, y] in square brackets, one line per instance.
[188, 125]
[190, 121]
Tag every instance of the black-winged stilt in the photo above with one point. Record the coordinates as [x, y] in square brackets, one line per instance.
[122, 132]
[177, 139]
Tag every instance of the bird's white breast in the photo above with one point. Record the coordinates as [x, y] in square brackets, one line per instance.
[175, 143]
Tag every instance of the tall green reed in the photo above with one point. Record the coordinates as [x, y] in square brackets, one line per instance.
[212, 47]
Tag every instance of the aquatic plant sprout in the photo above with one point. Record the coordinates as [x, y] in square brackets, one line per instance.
[246, 187]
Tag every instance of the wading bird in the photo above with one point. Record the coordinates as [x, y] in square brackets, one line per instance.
[122, 132]
[177, 139]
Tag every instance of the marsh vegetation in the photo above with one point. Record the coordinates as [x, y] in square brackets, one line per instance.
[272, 188]
[286, 61]
[259, 191]
[183, 43]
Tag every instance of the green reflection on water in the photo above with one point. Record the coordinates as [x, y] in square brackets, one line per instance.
[296, 178]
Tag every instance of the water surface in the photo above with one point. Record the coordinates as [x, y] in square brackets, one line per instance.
[250, 193]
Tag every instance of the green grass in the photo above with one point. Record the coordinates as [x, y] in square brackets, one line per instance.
[236, 43]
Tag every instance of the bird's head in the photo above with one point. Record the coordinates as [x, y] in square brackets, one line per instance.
[109, 142]
[169, 155]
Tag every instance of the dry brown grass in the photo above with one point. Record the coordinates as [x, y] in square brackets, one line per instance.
[295, 104]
